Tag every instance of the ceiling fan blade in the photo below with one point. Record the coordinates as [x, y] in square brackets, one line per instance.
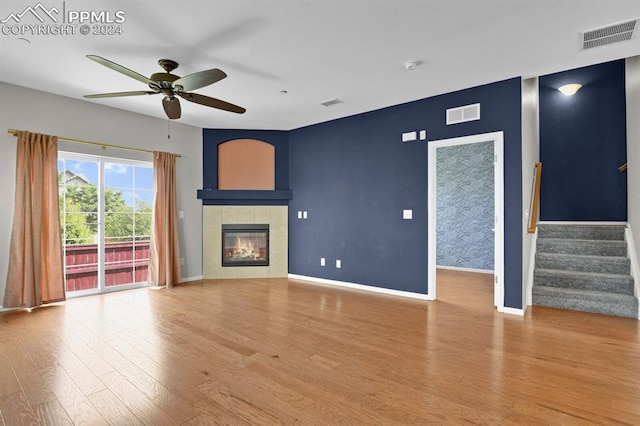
[119, 94]
[123, 70]
[212, 102]
[199, 79]
[171, 107]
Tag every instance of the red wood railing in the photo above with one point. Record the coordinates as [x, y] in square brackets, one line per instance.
[125, 263]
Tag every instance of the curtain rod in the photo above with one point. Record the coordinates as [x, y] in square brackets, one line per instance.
[14, 132]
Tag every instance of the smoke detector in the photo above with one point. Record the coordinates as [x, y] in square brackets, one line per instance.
[412, 64]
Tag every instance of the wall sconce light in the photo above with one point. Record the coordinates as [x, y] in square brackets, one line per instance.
[569, 89]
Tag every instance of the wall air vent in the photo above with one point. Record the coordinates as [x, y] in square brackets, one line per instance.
[607, 35]
[333, 102]
[463, 113]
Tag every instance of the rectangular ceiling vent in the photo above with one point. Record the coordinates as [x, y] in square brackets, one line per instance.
[614, 33]
[333, 102]
[463, 113]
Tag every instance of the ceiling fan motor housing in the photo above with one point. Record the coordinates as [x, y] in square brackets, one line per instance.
[163, 80]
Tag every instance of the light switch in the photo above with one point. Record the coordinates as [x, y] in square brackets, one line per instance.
[338, 264]
[423, 135]
[180, 214]
[299, 214]
[407, 214]
[304, 214]
[322, 262]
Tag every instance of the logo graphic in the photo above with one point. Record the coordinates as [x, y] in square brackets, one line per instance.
[33, 11]
[40, 20]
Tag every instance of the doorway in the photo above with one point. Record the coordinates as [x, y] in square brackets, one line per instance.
[105, 220]
[496, 138]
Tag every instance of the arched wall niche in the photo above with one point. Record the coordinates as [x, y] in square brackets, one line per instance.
[246, 164]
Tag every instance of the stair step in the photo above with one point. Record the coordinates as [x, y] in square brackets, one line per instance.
[621, 305]
[602, 264]
[582, 247]
[582, 232]
[591, 281]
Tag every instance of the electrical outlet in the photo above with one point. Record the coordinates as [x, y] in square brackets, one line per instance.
[322, 261]
[180, 214]
[299, 214]
[338, 264]
[304, 214]
[407, 214]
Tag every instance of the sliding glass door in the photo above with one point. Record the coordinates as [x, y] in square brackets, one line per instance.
[105, 213]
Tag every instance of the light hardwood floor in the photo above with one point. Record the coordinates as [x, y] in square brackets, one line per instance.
[276, 351]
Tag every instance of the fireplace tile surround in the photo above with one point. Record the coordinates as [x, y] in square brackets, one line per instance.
[213, 219]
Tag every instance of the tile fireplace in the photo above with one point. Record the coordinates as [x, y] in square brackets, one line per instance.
[242, 221]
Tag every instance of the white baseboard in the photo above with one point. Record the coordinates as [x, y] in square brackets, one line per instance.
[456, 268]
[361, 287]
[505, 310]
[512, 311]
[574, 222]
[189, 279]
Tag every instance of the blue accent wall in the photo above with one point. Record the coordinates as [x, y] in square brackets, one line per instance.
[354, 176]
[465, 206]
[582, 144]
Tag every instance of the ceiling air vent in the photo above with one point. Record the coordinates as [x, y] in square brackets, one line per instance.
[333, 102]
[610, 34]
[463, 113]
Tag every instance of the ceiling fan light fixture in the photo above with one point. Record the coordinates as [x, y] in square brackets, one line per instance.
[570, 89]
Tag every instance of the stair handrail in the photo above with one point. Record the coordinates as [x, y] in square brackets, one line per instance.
[535, 198]
[623, 167]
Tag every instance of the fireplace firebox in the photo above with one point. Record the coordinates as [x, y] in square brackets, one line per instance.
[245, 245]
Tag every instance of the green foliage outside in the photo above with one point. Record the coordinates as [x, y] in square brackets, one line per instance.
[79, 214]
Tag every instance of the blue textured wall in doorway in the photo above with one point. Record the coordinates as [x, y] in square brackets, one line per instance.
[465, 201]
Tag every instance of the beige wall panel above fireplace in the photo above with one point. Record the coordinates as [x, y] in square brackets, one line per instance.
[213, 219]
[246, 164]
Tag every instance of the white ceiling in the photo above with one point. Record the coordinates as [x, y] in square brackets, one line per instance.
[316, 50]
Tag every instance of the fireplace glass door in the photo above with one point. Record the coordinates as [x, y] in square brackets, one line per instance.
[245, 245]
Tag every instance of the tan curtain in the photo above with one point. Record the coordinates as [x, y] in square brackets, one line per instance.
[35, 274]
[164, 252]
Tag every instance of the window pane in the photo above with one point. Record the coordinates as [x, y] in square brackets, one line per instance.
[114, 201]
[118, 175]
[144, 177]
[143, 200]
[77, 182]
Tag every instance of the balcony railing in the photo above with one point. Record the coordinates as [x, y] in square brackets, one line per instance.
[125, 263]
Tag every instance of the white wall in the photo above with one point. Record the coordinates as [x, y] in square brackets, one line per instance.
[530, 156]
[632, 73]
[26, 109]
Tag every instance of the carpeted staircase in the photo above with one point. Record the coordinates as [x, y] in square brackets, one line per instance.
[584, 268]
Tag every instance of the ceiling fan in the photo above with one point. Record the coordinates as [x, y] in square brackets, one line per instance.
[171, 86]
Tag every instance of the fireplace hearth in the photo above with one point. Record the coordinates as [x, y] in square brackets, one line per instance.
[245, 245]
